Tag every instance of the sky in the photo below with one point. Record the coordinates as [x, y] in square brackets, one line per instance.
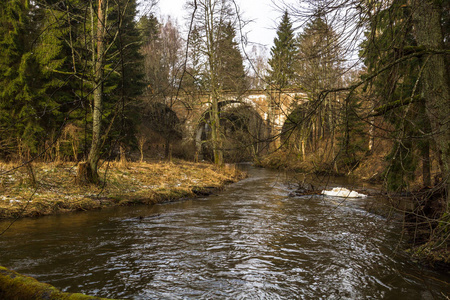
[264, 14]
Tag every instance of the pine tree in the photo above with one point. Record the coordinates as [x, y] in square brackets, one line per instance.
[129, 82]
[194, 80]
[148, 27]
[318, 67]
[231, 72]
[281, 73]
[115, 79]
[60, 66]
[54, 49]
[22, 99]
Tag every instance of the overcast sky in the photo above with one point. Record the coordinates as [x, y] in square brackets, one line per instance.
[264, 14]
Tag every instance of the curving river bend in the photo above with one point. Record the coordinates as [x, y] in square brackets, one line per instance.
[250, 241]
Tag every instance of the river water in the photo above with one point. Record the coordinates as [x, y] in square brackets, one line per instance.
[250, 241]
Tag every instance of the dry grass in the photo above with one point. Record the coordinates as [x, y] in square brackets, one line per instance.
[55, 190]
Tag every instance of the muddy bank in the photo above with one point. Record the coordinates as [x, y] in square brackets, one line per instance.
[53, 189]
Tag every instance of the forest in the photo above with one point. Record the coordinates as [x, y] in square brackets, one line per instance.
[84, 83]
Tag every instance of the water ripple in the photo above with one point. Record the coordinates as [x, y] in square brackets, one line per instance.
[249, 242]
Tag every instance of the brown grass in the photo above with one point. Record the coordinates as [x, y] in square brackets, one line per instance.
[122, 184]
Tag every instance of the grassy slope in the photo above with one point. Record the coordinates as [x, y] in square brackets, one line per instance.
[133, 183]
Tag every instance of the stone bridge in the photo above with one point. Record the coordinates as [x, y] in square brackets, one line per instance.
[265, 110]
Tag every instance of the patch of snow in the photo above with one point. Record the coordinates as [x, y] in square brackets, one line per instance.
[150, 186]
[12, 201]
[342, 192]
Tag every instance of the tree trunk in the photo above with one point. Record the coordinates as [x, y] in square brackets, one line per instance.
[142, 141]
[30, 173]
[123, 156]
[215, 131]
[303, 149]
[75, 151]
[424, 145]
[426, 165]
[84, 174]
[94, 153]
[434, 81]
[168, 151]
[213, 62]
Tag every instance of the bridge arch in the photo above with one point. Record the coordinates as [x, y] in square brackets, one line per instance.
[271, 107]
[297, 129]
[244, 132]
[160, 129]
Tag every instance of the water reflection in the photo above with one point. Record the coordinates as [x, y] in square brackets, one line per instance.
[249, 242]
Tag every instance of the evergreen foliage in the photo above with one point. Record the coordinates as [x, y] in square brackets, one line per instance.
[46, 76]
[397, 88]
[318, 67]
[281, 73]
[127, 74]
[318, 63]
[351, 137]
[194, 79]
[23, 103]
[148, 27]
[231, 72]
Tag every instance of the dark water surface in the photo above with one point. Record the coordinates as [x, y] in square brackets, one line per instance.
[251, 241]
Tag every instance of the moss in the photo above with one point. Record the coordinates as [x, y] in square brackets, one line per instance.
[16, 286]
[434, 239]
[430, 255]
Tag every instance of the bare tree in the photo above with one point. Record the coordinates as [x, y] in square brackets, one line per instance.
[211, 17]
[163, 63]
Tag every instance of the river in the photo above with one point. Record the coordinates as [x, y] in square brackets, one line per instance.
[249, 241]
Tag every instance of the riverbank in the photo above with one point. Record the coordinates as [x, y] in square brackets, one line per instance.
[49, 188]
[369, 169]
[425, 218]
[17, 286]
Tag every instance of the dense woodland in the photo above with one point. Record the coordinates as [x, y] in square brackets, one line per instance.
[85, 81]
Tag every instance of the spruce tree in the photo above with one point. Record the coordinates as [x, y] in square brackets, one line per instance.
[319, 59]
[54, 50]
[109, 72]
[22, 100]
[281, 73]
[129, 82]
[231, 72]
